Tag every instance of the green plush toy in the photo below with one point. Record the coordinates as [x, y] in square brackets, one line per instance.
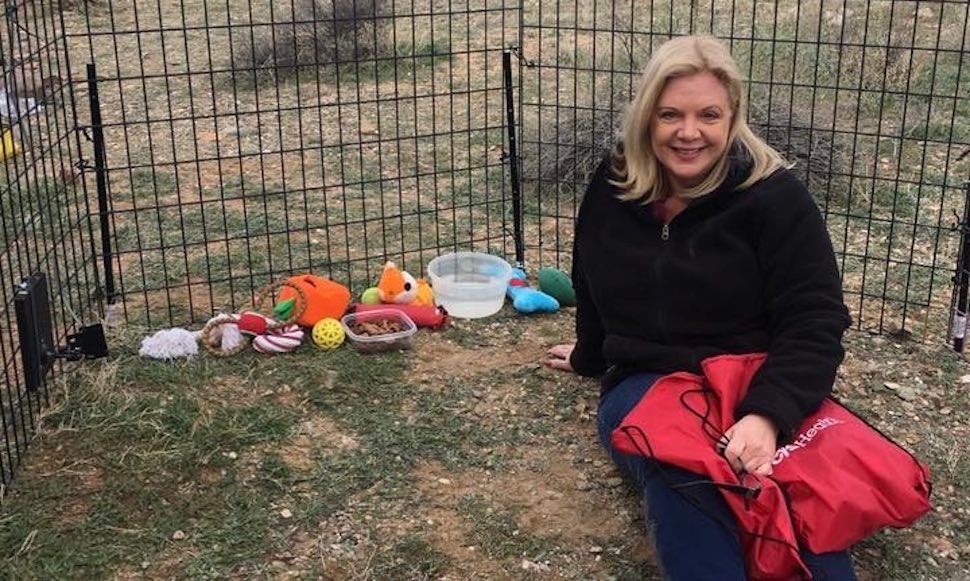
[557, 284]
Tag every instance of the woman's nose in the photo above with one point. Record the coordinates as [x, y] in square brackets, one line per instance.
[688, 129]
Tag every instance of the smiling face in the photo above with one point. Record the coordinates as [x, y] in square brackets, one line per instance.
[690, 127]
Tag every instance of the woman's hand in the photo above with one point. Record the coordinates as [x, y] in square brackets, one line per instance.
[559, 356]
[751, 445]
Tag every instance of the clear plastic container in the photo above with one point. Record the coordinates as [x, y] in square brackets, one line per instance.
[469, 285]
[355, 325]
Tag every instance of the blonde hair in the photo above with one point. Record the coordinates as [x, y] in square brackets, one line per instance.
[640, 174]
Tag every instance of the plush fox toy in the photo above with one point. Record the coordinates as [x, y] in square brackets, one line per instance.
[398, 287]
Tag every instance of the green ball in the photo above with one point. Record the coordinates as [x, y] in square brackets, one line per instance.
[557, 284]
[370, 296]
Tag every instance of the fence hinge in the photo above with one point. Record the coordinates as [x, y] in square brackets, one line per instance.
[83, 165]
[519, 54]
[83, 130]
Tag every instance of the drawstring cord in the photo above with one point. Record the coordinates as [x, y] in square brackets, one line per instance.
[719, 437]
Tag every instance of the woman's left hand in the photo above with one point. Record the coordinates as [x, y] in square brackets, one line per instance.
[751, 445]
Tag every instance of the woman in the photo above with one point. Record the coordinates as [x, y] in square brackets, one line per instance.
[694, 240]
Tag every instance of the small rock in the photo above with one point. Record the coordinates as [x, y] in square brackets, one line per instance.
[145, 564]
[286, 513]
[613, 482]
[596, 550]
[444, 481]
[232, 455]
[178, 536]
[583, 485]
[533, 566]
[891, 385]
[906, 393]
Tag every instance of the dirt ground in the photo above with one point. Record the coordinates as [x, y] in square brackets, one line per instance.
[463, 458]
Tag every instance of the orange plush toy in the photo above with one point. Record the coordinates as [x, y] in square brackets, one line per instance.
[398, 287]
[324, 298]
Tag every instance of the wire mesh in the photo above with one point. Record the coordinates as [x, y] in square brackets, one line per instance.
[43, 204]
[868, 99]
[243, 140]
[247, 140]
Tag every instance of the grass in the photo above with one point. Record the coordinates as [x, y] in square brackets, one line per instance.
[399, 466]
[497, 532]
[336, 169]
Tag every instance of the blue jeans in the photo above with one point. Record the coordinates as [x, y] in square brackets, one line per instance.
[696, 534]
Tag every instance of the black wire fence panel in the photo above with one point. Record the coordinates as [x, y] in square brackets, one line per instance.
[247, 140]
[172, 158]
[869, 100]
[44, 207]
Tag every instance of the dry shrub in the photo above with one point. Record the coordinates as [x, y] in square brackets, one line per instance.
[56, 4]
[571, 149]
[818, 158]
[313, 33]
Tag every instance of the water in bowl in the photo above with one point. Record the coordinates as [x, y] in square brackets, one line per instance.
[467, 302]
[469, 285]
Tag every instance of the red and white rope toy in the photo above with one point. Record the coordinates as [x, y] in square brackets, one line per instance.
[268, 336]
[221, 335]
[279, 340]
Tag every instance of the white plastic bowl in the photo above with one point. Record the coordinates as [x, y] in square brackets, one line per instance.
[469, 285]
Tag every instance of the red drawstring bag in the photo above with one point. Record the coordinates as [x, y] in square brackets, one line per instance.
[836, 483]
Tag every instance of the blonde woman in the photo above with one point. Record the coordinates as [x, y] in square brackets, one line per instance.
[694, 240]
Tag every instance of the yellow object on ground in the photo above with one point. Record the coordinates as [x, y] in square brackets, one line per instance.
[8, 146]
[328, 334]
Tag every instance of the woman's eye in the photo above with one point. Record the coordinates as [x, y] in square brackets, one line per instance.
[711, 115]
[668, 115]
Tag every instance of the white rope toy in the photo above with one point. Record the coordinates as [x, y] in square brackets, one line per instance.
[170, 344]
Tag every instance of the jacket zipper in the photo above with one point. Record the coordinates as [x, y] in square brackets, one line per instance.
[658, 278]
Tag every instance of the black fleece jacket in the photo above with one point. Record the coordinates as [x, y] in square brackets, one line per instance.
[737, 271]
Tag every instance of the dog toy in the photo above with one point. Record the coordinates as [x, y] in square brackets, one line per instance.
[170, 344]
[371, 296]
[399, 287]
[427, 316]
[328, 334]
[528, 300]
[282, 340]
[315, 298]
[223, 334]
[217, 329]
[557, 284]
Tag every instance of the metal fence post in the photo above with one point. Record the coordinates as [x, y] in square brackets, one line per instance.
[513, 158]
[958, 326]
[100, 173]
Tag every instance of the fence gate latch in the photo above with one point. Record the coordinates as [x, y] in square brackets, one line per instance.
[37, 347]
[89, 343]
